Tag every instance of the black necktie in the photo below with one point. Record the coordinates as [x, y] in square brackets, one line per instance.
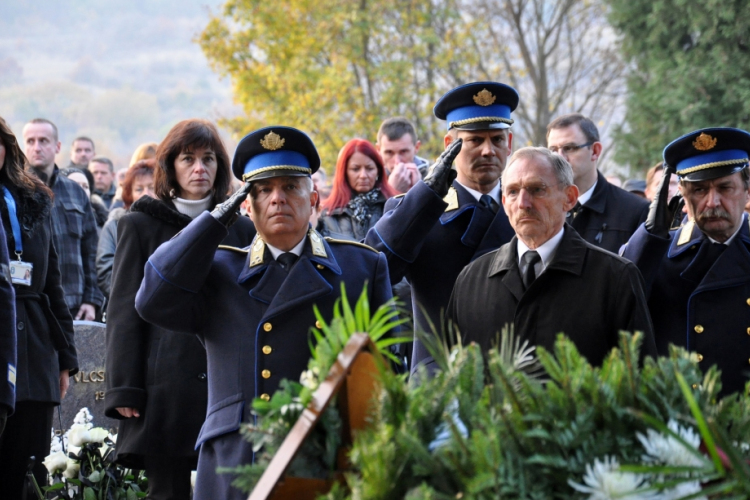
[576, 209]
[487, 201]
[531, 258]
[287, 260]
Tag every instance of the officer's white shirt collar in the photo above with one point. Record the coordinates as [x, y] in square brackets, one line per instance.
[583, 198]
[546, 251]
[297, 250]
[494, 194]
[729, 241]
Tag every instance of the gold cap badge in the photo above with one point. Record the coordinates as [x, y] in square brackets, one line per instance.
[272, 141]
[484, 98]
[704, 142]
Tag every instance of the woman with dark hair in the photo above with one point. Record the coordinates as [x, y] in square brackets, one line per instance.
[360, 188]
[44, 327]
[139, 181]
[156, 381]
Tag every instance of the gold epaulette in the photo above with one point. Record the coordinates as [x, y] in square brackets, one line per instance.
[451, 199]
[348, 242]
[233, 249]
[399, 195]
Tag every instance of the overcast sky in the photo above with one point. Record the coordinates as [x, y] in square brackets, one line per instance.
[122, 72]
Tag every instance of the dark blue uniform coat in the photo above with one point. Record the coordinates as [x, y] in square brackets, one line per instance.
[253, 318]
[430, 240]
[706, 311]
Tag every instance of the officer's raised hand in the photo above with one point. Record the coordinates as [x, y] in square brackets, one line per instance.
[441, 173]
[660, 214]
[227, 212]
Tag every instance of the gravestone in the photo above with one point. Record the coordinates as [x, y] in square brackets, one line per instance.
[88, 385]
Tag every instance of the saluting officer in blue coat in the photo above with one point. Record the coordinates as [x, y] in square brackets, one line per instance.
[430, 234]
[698, 276]
[253, 308]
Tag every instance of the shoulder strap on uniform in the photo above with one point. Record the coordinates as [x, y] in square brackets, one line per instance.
[233, 249]
[347, 242]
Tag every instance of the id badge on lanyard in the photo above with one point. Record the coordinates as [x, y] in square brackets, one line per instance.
[20, 271]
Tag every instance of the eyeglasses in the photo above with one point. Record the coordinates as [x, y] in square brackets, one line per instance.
[569, 148]
[537, 191]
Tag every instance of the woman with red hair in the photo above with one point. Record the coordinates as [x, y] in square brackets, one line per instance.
[360, 188]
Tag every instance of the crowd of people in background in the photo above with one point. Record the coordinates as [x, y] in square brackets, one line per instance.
[86, 232]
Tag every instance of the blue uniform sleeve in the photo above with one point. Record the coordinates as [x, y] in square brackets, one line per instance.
[646, 251]
[170, 295]
[407, 221]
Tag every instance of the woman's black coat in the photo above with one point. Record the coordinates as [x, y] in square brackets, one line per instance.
[161, 374]
[44, 326]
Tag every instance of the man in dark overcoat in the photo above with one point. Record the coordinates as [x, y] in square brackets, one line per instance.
[605, 215]
[253, 308]
[548, 279]
[698, 276]
[442, 224]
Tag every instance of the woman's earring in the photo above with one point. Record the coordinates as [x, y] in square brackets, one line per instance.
[172, 194]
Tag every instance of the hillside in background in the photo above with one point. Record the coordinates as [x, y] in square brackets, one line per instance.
[120, 72]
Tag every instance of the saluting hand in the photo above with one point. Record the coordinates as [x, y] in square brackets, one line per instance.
[227, 212]
[441, 173]
[660, 214]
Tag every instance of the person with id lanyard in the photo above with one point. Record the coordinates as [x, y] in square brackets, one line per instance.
[46, 354]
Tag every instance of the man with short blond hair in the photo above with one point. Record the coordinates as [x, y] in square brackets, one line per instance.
[74, 226]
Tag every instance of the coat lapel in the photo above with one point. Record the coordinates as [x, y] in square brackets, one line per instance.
[506, 263]
[733, 265]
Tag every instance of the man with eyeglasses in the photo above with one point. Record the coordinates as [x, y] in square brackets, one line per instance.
[605, 215]
[549, 280]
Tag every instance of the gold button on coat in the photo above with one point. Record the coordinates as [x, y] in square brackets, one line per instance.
[265, 374]
[265, 397]
[695, 386]
[267, 327]
[748, 302]
[319, 325]
[267, 349]
[748, 331]
[698, 329]
[320, 266]
[700, 357]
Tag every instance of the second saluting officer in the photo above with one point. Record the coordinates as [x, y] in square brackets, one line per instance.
[253, 308]
[698, 276]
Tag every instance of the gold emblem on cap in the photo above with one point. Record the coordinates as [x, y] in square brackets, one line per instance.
[704, 142]
[484, 98]
[272, 141]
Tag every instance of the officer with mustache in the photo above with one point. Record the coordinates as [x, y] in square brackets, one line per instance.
[698, 276]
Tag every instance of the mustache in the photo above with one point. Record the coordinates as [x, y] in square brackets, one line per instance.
[527, 212]
[714, 213]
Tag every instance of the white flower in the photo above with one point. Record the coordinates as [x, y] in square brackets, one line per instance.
[682, 490]
[75, 450]
[97, 434]
[292, 407]
[309, 380]
[72, 469]
[84, 417]
[667, 450]
[113, 437]
[56, 462]
[79, 435]
[605, 481]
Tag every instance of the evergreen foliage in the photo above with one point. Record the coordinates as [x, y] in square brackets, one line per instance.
[690, 68]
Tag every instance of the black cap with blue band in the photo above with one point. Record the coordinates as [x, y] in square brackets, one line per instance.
[275, 152]
[478, 106]
[709, 153]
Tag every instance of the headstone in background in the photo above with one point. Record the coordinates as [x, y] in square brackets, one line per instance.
[88, 385]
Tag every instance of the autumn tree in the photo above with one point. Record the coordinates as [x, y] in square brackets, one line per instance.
[337, 68]
[691, 69]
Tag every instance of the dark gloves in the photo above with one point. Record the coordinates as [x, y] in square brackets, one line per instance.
[441, 174]
[661, 213]
[226, 212]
